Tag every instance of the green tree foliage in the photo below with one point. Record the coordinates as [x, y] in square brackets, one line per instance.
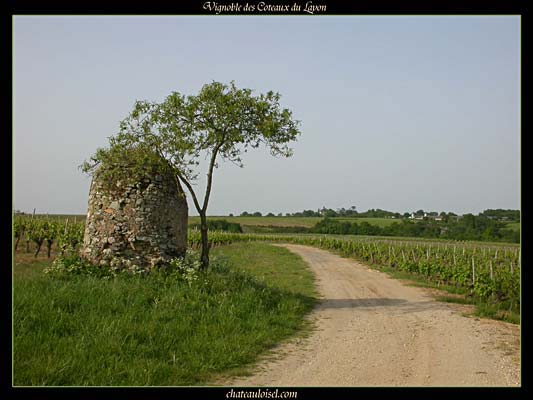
[219, 123]
[469, 227]
[500, 214]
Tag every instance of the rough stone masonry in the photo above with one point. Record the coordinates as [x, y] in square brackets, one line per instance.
[135, 225]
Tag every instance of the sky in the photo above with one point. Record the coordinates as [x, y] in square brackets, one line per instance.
[397, 112]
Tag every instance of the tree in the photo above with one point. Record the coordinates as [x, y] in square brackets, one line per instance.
[309, 213]
[220, 123]
[329, 213]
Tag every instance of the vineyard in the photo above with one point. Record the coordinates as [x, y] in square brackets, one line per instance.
[66, 235]
[491, 272]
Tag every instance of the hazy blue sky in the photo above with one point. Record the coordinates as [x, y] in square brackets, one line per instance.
[399, 113]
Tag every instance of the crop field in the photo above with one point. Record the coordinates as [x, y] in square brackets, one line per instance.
[490, 270]
[489, 273]
[306, 222]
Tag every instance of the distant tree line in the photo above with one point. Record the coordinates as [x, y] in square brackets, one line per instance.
[257, 214]
[469, 227]
[510, 215]
[496, 214]
[490, 225]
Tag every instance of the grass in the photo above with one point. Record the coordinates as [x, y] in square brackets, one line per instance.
[453, 299]
[498, 311]
[484, 310]
[265, 264]
[515, 226]
[78, 330]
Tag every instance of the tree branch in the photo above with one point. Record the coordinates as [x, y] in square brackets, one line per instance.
[191, 191]
[210, 173]
[182, 178]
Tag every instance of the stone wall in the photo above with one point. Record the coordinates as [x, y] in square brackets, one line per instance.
[135, 225]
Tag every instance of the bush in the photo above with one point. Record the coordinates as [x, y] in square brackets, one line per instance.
[184, 268]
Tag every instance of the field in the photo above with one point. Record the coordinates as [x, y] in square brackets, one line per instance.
[489, 272]
[514, 226]
[264, 221]
[156, 330]
[82, 330]
[306, 222]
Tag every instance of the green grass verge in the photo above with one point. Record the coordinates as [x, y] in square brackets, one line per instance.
[79, 330]
[485, 310]
[502, 311]
[266, 266]
[454, 300]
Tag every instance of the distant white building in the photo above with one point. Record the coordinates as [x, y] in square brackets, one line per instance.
[421, 217]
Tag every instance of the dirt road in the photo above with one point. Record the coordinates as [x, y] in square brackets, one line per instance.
[376, 331]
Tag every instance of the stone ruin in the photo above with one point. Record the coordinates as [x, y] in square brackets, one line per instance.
[135, 225]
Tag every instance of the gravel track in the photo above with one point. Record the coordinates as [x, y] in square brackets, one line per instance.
[372, 330]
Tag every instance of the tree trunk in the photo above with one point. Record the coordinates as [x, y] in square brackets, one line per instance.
[17, 243]
[48, 247]
[204, 258]
[39, 244]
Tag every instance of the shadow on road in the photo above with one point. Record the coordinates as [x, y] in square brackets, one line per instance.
[403, 305]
